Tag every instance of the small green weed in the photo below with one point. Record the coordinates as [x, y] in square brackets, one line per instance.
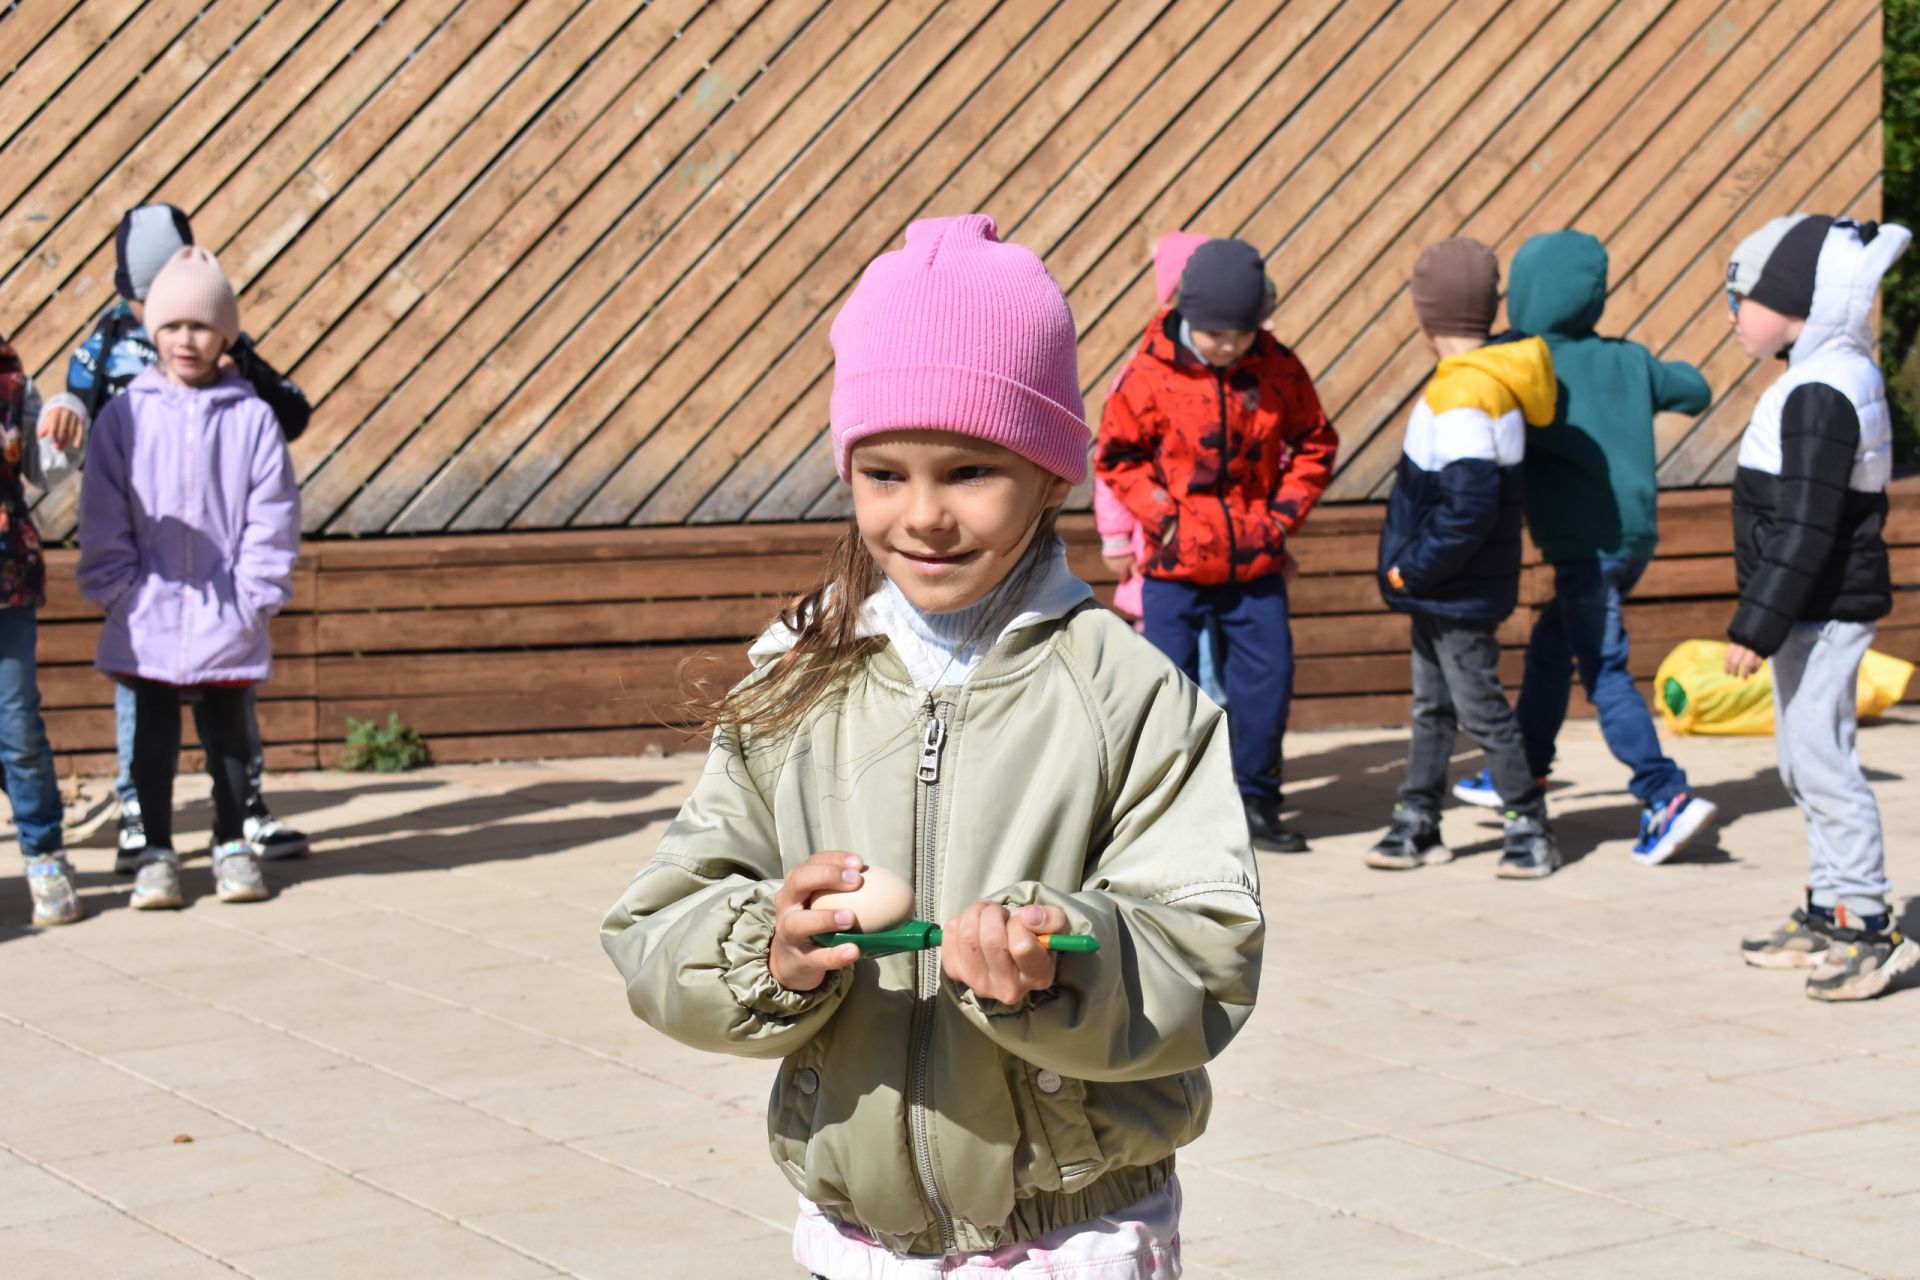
[382, 748]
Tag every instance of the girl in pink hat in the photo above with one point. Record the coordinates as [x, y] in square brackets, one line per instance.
[189, 527]
[949, 714]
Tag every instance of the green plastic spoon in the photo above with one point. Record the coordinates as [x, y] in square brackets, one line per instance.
[918, 935]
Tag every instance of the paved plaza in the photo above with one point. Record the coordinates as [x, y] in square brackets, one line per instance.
[415, 1060]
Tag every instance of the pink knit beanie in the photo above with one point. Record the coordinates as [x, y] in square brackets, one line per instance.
[192, 287]
[959, 332]
[1170, 259]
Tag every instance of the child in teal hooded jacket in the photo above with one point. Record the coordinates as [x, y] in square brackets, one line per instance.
[1591, 495]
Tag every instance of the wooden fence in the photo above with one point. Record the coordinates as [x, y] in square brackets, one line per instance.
[570, 263]
[578, 643]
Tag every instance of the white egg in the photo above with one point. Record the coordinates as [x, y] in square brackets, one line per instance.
[882, 901]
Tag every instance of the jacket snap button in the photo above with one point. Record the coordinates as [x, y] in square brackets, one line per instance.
[1049, 1081]
[808, 1080]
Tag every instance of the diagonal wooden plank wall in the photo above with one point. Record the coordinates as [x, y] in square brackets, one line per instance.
[572, 263]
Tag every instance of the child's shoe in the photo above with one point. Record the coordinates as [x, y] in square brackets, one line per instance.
[1412, 840]
[1268, 832]
[1864, 954]
[1530, 852]
[273, 839]
[50, 881]
[1478, 789]
[133, 839]
[236, 873]
[1666, 830]
[156, 885]
[1799, 942]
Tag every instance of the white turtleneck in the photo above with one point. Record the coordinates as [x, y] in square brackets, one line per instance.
[945, 649]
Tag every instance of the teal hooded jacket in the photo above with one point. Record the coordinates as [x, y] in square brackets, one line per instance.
[1590, 485]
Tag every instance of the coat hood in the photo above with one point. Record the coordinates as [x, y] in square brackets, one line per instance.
[1557, 287]
[1852, 262]
[1518, 373]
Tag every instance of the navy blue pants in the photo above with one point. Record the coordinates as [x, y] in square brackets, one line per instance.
[1256, 662]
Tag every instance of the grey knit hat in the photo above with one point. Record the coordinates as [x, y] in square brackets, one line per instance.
[148, 238]
[1224, 286]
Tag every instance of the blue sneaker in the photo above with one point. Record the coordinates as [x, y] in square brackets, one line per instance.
[1477, 790]
[1667, 829]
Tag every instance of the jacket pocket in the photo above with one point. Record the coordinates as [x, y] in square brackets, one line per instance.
[1065, 1154]
[794, 1116]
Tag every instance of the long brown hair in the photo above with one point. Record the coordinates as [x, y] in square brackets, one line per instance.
[828, 647]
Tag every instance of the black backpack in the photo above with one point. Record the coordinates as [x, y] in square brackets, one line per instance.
[283, 396]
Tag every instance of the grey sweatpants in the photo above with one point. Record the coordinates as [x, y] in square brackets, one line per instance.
[1815, 674]
[1456, 683]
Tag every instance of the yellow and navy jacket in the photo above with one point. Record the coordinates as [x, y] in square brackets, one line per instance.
[1454, 516]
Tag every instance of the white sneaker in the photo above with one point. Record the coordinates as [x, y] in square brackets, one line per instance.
[156, 886]
[50, 881]
[236, 873]
[273, 839]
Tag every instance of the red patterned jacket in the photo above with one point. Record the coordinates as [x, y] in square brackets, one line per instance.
[1220, 466]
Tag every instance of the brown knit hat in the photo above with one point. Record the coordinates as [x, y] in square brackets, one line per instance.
[1456, 288]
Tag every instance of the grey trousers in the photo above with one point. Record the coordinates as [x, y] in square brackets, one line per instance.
[1456, 683]
[1815, 675]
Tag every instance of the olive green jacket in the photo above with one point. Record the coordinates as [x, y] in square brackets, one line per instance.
[1076, 768]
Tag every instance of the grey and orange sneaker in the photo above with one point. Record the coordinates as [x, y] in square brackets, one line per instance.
[156, 885]
[1798, 942]
[50, 882]
[236, 873]
[1864, 955]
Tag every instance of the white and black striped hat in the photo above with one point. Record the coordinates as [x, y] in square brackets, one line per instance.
[1776, 265]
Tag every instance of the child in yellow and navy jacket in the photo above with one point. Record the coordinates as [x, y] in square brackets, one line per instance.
[1450, 555]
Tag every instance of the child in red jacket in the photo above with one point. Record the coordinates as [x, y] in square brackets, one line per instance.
[1215, 441]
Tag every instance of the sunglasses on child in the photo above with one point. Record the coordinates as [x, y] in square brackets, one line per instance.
[1733, 302]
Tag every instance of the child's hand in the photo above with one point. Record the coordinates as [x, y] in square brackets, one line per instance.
[62, 426]
[796, 962]
[1121, 567]
[997, 953]
[1742, 662]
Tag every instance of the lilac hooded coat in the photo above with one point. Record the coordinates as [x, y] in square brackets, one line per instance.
[189, 527]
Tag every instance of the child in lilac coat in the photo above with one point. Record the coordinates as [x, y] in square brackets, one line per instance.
[189, 528]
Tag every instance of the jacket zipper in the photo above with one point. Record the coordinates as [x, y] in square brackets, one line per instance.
[927, 979]
[1226, 437]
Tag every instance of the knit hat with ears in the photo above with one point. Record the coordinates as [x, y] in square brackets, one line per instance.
[959, 332]
[1456, 288]
[1170, 256]
[192, 287]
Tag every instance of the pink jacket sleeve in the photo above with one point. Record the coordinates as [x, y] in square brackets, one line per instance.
[1118, 529]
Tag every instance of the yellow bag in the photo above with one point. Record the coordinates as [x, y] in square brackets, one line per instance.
[1696, 695]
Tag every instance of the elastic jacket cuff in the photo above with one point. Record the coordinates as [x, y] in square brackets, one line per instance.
[748, 975]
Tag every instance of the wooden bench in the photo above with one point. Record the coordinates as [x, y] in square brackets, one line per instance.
[581, 642]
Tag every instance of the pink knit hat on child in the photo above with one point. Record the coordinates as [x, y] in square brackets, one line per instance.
[1170, 256]
[959, 332]
[192, 287]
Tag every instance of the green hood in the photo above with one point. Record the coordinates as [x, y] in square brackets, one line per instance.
[1558, 285]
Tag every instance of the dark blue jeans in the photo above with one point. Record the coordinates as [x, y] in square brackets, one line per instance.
[33, 786]
[1582, 629]
[1256, 662]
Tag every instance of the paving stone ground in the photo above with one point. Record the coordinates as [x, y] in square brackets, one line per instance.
[415, 1061]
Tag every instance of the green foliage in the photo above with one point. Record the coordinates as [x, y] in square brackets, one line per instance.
[1900, 296]
[382, 748]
